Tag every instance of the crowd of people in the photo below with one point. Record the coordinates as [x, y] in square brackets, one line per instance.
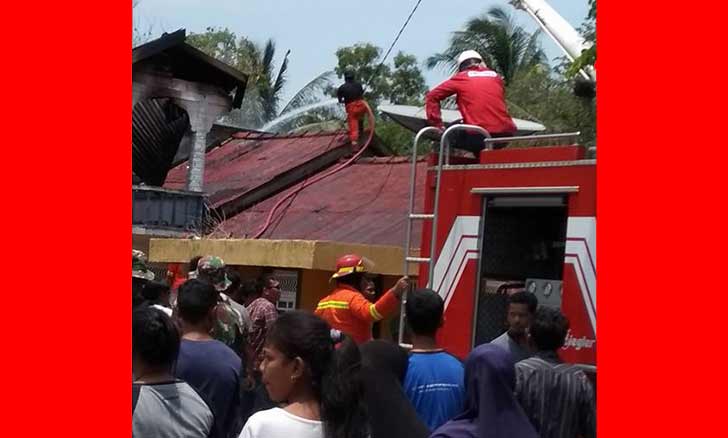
[213, 357]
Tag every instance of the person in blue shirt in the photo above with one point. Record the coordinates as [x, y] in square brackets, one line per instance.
[434, 382]
[209, 366]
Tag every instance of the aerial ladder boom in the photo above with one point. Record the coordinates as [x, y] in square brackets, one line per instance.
[559, 30]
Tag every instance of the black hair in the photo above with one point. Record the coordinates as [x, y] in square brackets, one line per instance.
[424, 310]
[353, 279]
[335, 373]
[153, 290]
[526, 298]
[468, 63]
[265, 279]
[154, 337]
[194, 261]
[549, 328]
[137, 286]
[195, 300]
[249, 288]
[349, 75]
[234, 276]
[262, 283]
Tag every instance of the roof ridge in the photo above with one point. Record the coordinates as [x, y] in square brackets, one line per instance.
[390, 159]
[250, 135]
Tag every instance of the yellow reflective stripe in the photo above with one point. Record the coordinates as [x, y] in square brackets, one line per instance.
[375, 314]
[345, 270]
[349, 269]
[333, 305]
[346, 303]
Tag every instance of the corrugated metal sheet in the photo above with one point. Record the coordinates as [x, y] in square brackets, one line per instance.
[364, 203]
[250, 160]
[159, 208]
[158, 125]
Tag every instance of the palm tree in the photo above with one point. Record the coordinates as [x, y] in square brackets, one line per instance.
[266, 81]
[505, 47]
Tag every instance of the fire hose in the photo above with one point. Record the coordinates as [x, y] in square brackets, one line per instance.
[303, 185]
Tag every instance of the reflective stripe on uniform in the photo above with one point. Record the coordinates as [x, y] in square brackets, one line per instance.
[332, 304]
[375, 314]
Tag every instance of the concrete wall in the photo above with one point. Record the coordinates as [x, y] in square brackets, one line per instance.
[283, 254]
[204, 103]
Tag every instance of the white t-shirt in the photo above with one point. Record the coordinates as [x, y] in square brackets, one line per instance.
[277, 423]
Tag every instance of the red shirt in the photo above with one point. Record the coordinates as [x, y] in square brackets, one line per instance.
[480, 98]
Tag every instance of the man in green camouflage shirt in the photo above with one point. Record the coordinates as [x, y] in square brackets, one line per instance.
[140, 275]
[229, 327]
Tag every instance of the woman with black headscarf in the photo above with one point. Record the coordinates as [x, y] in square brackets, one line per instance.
[491, 410]
[391, 414]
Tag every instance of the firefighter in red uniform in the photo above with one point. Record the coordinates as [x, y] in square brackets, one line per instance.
[480, 99]
[346, 309]
[351, 93]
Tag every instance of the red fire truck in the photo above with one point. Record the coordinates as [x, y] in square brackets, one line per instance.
[511, 219]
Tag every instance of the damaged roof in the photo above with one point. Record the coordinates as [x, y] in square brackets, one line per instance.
[365, 202]
[172, 54]
[250, 167]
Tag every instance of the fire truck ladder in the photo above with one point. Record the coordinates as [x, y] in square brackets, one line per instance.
[443, 155]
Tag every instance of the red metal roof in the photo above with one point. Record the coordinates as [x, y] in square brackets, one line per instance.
[249, 160]
[363, 203]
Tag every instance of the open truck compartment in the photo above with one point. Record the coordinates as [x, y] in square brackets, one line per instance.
[523, 245]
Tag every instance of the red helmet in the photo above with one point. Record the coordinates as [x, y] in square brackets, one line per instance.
[350, 264]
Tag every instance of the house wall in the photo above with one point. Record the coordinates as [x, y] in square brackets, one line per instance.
[313, 285]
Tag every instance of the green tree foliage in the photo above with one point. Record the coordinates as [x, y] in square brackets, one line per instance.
[505, 47]
[266, 81]
[407, 85]
[589, 31]
[547, 98]
[362, 59]
[400, 83]
[140, 33]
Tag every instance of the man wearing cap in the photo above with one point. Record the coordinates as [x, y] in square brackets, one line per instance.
[229, 327]
[140, 276]
[481, 101]
[347, 309]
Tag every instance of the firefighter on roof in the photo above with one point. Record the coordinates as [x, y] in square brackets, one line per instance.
[351, 93]
[346, 309]
[480, 99]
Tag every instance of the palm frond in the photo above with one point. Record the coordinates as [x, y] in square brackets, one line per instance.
[505, 47]
[311, 92]
[267, 61]
[281, 77]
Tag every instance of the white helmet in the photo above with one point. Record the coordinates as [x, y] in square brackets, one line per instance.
[469, 54]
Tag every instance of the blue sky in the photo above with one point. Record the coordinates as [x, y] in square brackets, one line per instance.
[314, 29]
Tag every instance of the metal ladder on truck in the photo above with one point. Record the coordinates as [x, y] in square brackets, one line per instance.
[443, 155]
